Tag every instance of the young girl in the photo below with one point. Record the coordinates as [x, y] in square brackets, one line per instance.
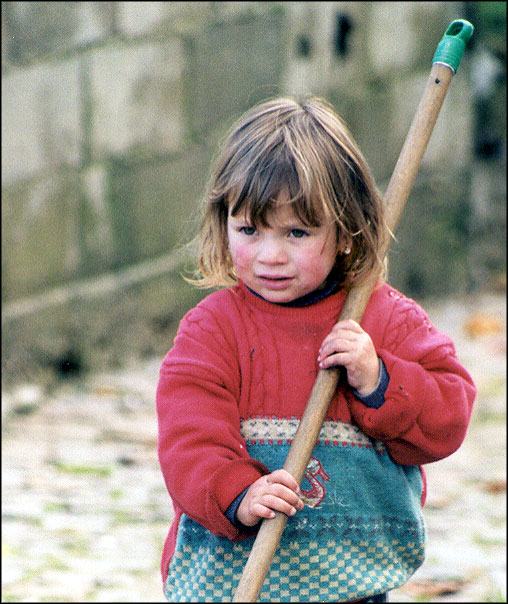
[292, 220]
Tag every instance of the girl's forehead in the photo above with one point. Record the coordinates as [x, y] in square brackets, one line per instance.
[277, 215]
[283, 207]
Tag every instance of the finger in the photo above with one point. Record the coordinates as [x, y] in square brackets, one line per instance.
[350, 325]
[285, 494]
[279, 505]
[347, 330]
[338, 343]
[339, 337]
[344, 348]
[283, 477]
[338, 359]
[261, 511]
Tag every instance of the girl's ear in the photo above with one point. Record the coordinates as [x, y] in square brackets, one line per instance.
[345, 245]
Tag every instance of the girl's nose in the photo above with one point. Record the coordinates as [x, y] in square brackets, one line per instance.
[272, 251]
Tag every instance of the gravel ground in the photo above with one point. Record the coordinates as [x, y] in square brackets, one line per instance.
[85, 510]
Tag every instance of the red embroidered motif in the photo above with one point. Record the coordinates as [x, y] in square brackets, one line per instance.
[314, 496]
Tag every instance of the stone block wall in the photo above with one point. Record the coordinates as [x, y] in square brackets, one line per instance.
[112, 111]
[104, 101]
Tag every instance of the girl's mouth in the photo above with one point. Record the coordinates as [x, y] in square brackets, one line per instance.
[274, 282]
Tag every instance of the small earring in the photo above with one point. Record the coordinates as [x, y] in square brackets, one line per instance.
[347, 251]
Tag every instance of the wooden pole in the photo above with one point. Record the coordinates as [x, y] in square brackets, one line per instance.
[270, 531]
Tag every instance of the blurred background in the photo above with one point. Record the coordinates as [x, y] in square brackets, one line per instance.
[111, 115]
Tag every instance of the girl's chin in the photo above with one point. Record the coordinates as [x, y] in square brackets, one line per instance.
[278, 291]
[277, 296]
[278, 299]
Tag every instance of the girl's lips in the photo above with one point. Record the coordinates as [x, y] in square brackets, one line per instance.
[274, 282]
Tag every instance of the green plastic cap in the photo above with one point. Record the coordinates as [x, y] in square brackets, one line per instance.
[451, 48]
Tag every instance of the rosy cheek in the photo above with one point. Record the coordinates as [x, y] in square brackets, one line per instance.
[317, 267]
[241, 256]
[309, 264]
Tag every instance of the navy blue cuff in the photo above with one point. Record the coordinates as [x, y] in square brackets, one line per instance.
[376, 398]
[230, 513]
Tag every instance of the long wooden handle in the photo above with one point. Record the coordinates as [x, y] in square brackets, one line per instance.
[270, 531]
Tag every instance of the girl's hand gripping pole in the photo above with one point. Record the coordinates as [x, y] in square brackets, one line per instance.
[444, 64]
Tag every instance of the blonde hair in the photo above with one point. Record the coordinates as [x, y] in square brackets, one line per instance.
[304, 150]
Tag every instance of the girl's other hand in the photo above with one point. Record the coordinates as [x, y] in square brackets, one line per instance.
[275, 492]
[349, 346]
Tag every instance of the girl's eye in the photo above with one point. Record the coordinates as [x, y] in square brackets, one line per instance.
[247, 230]
[298, 233]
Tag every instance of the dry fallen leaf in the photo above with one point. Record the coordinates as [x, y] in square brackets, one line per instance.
[430, 587]
[495, 486]
[483, 324]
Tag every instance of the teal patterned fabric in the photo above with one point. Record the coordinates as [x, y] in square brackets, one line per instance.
[360, 533]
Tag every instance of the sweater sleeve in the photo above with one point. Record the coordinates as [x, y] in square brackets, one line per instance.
[201, 451]
[430, 395]
[377, 397]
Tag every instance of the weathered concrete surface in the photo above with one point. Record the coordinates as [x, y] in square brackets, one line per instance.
[85, 510]
[112, 112]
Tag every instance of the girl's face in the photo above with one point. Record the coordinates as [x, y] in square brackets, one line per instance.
[284, 260]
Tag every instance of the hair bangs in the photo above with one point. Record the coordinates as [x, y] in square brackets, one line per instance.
[274, 181]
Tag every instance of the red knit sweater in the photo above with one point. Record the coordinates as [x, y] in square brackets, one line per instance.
[238, 356]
